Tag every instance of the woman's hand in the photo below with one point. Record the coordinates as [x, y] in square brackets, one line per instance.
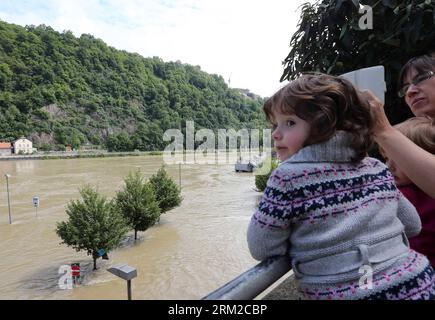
[416, 163]
[381, 123]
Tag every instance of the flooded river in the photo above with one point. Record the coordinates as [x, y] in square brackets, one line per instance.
[195, 248]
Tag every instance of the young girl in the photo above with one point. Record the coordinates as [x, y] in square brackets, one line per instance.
[421, 131]
[336, 212]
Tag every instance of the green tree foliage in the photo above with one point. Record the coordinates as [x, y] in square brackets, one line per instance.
[137, 203]
[167, 192]
[119, 142]
[93, 224]
[69, 136]
[329, 39]
[79, 90]
[261, 180]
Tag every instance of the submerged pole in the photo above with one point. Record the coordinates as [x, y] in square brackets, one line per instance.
[9, 202]
[179, 174]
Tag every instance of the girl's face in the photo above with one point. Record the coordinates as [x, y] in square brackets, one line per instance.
[420, 97]
[400, 177]
[290, 133]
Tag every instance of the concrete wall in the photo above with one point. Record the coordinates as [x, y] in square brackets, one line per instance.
[5, 152]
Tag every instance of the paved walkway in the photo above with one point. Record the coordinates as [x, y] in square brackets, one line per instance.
[286, 290]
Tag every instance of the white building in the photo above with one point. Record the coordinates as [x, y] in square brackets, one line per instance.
[23, 145]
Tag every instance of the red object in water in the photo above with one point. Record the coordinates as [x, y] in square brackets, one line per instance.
[75, 270]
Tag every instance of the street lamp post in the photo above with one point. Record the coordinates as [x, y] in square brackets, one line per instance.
[9, 202]
[124, 272]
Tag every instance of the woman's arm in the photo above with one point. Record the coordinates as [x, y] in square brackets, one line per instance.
[415, 162]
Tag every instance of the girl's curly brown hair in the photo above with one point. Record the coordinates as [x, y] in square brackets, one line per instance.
[328, 104]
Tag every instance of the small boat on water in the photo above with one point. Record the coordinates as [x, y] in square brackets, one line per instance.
[244, 167]
[248, 166]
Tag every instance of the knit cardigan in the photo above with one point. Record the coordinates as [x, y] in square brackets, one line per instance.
[318, 203]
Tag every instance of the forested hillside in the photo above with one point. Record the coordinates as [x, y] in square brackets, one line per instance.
[57, 89]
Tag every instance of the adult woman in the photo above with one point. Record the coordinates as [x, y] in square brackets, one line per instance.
[417, 81]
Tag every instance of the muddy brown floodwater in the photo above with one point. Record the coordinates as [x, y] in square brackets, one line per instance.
[195, 248]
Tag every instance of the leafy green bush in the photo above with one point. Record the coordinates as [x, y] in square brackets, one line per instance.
[261, 180]
[45, 147]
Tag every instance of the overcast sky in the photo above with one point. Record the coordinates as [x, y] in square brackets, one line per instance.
[242, 40]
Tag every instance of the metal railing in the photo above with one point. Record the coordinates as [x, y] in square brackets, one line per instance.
[253, 282]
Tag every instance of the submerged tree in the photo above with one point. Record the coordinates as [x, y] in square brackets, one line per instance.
[137, 203]
[167, 192]
[93, 224]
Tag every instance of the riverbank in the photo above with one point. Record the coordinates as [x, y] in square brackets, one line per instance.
[231, 156]
[79, 154]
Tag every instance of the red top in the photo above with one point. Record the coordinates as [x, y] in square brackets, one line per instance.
[425, 205]
[75, 270]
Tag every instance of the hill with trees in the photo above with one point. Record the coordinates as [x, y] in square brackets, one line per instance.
[57, 89]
